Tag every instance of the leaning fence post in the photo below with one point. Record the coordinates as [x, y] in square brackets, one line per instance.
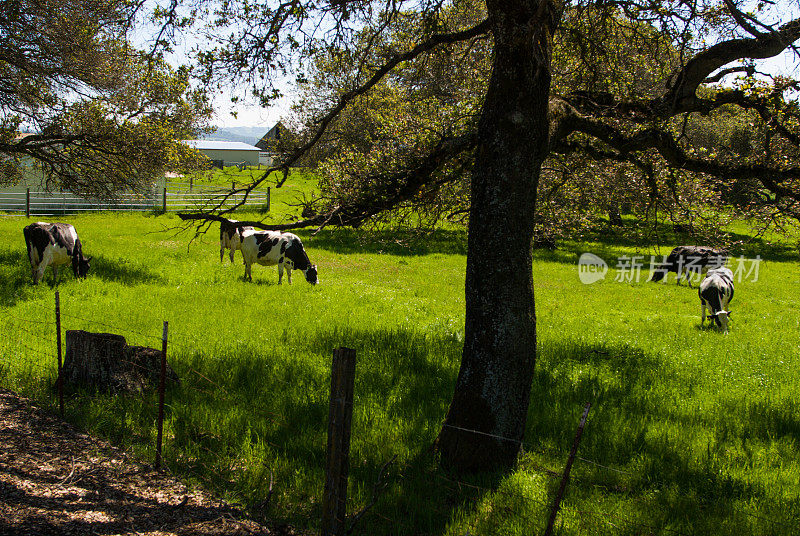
[27, 202]
[340, 416]
[161, 382]
[59, 381]
[567, 469]
[164, 201]
[269, 196]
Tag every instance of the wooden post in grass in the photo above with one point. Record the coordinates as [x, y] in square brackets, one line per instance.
[269, 196]
[164, 201]
[161, 382]
[340, 416]
[567, 469]
[60, 380]
[27, 202]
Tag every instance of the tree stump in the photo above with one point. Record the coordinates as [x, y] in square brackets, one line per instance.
[104, 361]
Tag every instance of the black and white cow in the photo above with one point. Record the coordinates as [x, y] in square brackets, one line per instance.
[230, 237]
[54, 244]
[690, 260]
[716, 292]
[269, 248]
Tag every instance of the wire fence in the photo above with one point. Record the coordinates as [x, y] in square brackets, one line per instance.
[173, 197]
[28, 356]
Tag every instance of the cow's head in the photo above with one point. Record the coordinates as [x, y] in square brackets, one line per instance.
[80, 265]
[311, 274]
[721, 318]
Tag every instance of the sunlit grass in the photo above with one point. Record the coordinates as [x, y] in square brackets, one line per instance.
[690, 430]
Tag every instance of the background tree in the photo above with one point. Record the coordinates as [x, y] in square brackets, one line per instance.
[642, 118]
[100, 114]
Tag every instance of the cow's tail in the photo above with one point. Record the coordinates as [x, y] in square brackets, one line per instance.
[28, 233]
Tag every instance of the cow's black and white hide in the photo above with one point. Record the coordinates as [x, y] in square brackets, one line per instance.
[230, 237]
[716, 292]
[269, 248]
[54, 244]
[690, 260]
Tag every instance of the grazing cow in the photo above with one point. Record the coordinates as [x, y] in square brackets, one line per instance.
[269, 248]
[230, 237]
[54, 244]
[716, 292]
[688, 260]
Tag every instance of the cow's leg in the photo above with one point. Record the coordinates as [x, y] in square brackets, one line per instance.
[289, 274]
[247, 274]
[702, 313]
[280, 272]
[46, 260]
[221, 252]
[55, 275]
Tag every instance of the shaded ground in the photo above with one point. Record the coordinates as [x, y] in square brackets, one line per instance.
[55, 480]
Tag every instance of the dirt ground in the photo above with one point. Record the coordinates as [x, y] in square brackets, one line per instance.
[55, 480]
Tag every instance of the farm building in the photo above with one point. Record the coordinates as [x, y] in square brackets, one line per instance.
[226, 153]
[269, 142]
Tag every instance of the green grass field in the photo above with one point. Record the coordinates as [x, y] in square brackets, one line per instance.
[690, 432]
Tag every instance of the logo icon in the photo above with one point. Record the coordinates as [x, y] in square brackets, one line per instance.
[591, 268]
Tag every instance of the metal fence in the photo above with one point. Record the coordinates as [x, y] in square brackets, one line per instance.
[173, 197]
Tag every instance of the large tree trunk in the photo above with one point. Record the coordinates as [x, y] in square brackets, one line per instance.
[486, 420]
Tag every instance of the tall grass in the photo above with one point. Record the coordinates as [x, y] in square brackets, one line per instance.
[691, 431]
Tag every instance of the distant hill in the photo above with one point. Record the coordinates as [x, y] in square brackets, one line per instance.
[243, 134]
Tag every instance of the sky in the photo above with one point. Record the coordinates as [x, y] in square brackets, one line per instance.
[248, 116]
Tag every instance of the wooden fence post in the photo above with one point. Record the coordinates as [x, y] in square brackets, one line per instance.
[161, 382]
[269, 196]
[565, 477]
[164, 201]
[340, 416]
[27, 202]
[60, 380]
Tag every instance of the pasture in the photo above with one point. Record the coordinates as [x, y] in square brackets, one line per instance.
[690, 432]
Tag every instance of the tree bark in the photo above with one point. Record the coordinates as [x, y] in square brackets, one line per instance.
[485, 424]
[104, 361]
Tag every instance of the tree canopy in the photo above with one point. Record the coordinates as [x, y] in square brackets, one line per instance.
[78, 101]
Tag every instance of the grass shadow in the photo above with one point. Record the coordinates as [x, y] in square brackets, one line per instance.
[245, 418]
[15, 277]
[120, 271]
[402, 242]
[642, 440]
[606, 241]
[16, 282]
[611, 242]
